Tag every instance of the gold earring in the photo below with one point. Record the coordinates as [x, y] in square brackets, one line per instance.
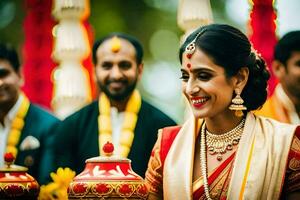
[237, 104]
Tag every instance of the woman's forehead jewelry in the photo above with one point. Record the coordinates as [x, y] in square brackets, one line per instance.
[191, 47]
[188, 65]
[115, 44]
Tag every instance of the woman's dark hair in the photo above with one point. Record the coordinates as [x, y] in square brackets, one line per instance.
[8, 53]
[231, 49]
[136, 44]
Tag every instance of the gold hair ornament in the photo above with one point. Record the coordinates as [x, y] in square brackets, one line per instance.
[256, 53]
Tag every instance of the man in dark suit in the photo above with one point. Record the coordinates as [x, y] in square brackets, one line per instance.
[119, 116]
[24, 127]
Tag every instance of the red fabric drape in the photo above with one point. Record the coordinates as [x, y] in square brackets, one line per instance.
[88, 63]
[37, 49]
[263, 37]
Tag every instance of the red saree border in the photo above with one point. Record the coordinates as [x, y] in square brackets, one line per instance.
[212, 176]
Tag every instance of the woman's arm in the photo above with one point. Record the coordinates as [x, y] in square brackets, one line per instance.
[154, 171]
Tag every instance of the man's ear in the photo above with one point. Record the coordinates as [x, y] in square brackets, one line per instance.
[140, 69]
[241, 78]
[278, 69]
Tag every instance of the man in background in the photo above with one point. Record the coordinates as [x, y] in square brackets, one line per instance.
[24, 127]
[284, 104]
[119, 116]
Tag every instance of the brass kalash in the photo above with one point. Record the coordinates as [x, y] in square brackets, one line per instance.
[15, 183]
[108, 177]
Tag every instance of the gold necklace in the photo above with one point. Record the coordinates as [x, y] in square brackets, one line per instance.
[220, 143]
[17, 126]
[127, 131]
[203, 162]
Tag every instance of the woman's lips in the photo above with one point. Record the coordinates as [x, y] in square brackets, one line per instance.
[199, 101]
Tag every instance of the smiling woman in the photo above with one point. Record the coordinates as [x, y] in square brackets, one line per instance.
[224, 151]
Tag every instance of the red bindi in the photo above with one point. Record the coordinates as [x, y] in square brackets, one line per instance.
[189, 55]
[188, 65]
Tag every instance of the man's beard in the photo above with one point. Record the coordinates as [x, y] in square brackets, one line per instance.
[118, 96]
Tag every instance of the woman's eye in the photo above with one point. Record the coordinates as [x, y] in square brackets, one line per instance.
[204, 76]
[184, 77]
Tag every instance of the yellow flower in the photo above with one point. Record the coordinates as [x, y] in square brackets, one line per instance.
[63, 177]
[130, 120]
[134, 103]
[105, 123]
[104, 105]
[126, 138]
[124, 151]
[17, 126]
[53, 191]
[14, 137]
[24, 107]
[57, 189]
[17, 123]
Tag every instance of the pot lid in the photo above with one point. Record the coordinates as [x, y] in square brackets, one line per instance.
[108, 150]
[9, 159]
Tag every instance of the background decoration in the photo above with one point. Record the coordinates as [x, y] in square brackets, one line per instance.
[154, 23]
[263, 35]
[71, 80]
[37, 49]
[192, 14]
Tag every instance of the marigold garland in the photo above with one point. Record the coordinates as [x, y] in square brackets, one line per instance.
[130, 118]
[17, 126]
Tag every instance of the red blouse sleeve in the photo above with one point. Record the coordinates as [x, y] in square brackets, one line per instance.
[292, 178]
[154, 179]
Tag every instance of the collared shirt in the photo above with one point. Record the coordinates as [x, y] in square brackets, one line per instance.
[4, 130]
[288, 104]
[117, 119]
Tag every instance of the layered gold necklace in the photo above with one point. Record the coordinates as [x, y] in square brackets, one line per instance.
[219, 147]
[220, 143]
[127, 131]
[17, 126]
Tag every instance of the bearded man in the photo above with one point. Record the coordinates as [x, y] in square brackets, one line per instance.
[120, 115]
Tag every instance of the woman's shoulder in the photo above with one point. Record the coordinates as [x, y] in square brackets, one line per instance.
[275, 125]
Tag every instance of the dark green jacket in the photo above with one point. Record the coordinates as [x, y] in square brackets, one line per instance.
[77, 137]
[38, 124]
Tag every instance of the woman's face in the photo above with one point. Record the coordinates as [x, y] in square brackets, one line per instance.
[205, 85]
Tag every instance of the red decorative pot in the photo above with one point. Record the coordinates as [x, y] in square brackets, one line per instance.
[15, 183]
[107, 177]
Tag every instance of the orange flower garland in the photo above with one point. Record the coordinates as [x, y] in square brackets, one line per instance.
[104, 123]
[17, 126]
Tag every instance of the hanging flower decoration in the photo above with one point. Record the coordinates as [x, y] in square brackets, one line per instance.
[263, 36]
